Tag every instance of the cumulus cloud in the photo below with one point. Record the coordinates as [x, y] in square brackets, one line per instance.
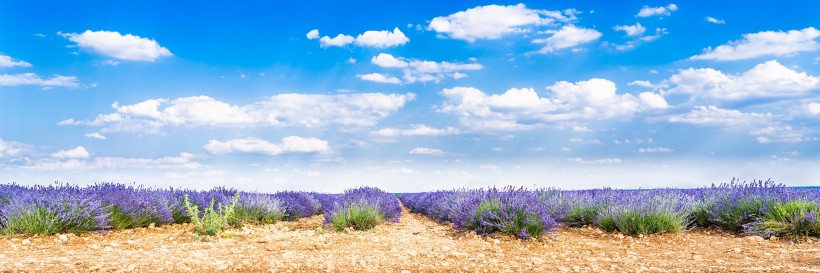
[382, 38]
[634, 30]
[376, 77]
[313, 34]
[113, 44]
[290, 144]
[494, 21]
[34, 79]
[340, 40]
[415, 70]
[523, 108]
[647, 11]
[6, 61]
[768, 79]
[370, 38]
[568, 36]
[653, 101]
[812, 108]
[714, 20]
[427, 151]
[302, 110]
[76, 153]
[13, 149]
[714, 116]
[416, 130]
[764, 43]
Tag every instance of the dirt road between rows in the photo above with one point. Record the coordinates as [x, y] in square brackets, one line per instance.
[415, 244]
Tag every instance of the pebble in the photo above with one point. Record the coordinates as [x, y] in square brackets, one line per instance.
[26, 241]
[736, 250]
[496, 241]
[405, 271]
[445, 248]
[63, 238]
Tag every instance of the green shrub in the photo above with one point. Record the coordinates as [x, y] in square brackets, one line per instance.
[35, 221]
[582, 215]
[795, 219]
[632, 222]
[358, 216]
[212, 221]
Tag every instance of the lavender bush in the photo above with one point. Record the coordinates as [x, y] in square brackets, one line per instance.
[362, 208]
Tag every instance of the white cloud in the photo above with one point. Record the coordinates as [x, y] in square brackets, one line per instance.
[6, 61]
[12, 148]
[655, 150]
[77, 153]
[714, 20]
[291, 144]
[647, 11]
[659, 32]
[113, 44]
[305, 110]
[581, 129]
[110, 62]
[714, 116]
[523, 108]
[634, 30]
[95, 135]
[769, 79]
[370, 38]
[568, 36]
[387, 60]
[764, 43]
[33, 79]
[585, 141]
[653, 101]
[376, 77]
[614, 160]
[340, 40]
[183, 161]
[313, 34]
[382, 38]
[812, 108]
[417, 130]
[351, 60]
[494, 21]
[781, 133]
[427, 151]
[424, 71]
[640, 83]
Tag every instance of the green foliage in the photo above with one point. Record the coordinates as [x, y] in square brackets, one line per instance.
[734, 214]
[358, 216]
[582, 215]
[212, 221]
[40, 220]
[35, 221]
[702, 213]
[632, 222]
[795, 219]
[120, 220]
[252, 214]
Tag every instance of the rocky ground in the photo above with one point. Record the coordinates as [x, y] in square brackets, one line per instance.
[415, 244]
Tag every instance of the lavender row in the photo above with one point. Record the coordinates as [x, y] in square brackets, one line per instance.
[361, 208]
[761, 208]
[66, 208]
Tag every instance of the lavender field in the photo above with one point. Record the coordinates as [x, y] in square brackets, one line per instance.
[760, 208]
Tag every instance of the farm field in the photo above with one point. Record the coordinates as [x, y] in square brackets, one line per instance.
[415, 244]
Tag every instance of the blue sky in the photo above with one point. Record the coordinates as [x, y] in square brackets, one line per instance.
[409, 96]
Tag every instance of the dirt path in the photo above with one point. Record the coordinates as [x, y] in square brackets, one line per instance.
[415, 244]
